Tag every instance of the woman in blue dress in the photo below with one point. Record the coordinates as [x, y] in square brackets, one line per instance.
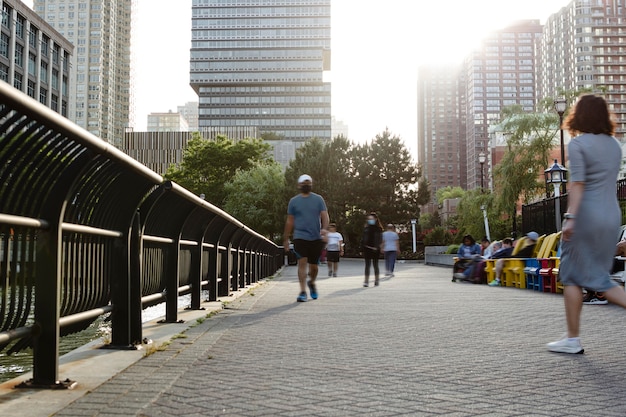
[592, 222]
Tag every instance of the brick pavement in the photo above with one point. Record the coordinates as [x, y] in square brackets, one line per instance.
[417, 345]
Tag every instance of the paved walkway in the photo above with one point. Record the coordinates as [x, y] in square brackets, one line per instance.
[417, 345]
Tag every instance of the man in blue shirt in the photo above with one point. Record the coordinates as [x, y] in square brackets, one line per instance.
[307, 218]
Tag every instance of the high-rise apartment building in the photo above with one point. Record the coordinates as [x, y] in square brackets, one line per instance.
[34, 58]
[260, 63]
[584, 47]
[101, 64]
[441, 127]
[500, 73]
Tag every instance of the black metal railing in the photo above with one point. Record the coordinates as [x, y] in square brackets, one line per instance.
[86, 230]
[541, 215]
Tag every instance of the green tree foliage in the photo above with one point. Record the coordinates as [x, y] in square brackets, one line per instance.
[255, 197]
[449, 192]
[355, 179]
[531, 136]
[208, 165]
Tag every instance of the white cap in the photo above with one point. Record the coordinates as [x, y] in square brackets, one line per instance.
[304, 177]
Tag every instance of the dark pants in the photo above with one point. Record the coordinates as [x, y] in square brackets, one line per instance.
[371, 257]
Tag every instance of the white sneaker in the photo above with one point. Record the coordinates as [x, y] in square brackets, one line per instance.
[459, 275]
[565, 346]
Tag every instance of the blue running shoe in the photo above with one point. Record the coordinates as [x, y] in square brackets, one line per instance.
[301, 298]
[312, 290]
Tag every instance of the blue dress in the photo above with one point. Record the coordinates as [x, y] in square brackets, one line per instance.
[587, 258]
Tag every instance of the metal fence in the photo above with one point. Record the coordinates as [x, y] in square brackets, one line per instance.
[86, 230]
[541, 216]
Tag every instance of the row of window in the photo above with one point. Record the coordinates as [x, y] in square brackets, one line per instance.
[255, 77]
[258, 43]
[257, 22]
[248, 55]
[265, 100]
[268, 11]
[268, 112]
[266, 89]
[221, 3]
[273, 66]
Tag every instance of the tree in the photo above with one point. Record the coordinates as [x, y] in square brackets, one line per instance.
[449, 192]
[355, 179]
[209, 164]
[531, 136]
[255, 197]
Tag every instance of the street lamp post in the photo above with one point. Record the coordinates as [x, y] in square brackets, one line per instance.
[560, 105]
[556, 175]
[482, 158]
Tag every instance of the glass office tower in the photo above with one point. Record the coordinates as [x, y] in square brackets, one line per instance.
[260, 63]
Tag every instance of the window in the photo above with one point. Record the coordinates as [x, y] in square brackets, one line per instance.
[4, 73]
[30, 90]
[4, 45]
[19, 55]
[32, 36]
[19, 26]
[17, 81]
[31, 64]
[43, 96]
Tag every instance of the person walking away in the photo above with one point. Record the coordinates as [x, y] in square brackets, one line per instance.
[370, 247]
[592, 221]
[334, 249]
[307, 218]
[391, 249]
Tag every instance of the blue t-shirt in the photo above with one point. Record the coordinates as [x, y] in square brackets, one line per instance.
[306, 214]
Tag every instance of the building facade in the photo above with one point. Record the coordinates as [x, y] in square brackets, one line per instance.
[441, 127]
[158, 150]
[583, 47]
[499, 74]
[101, 64]
[167, 122]
[34, 57]
[260, 63]
[190, 112]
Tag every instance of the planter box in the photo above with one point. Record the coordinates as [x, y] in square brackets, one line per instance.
[435, 255]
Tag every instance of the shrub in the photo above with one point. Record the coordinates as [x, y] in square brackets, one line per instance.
[438, 237]
[453, 249]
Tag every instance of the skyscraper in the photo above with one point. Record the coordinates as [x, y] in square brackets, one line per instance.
[34, 57]
[260, 63]
[100, 94]
[583, 47]
[500, 73]
[441, 127]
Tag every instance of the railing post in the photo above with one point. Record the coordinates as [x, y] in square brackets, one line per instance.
[126, 292]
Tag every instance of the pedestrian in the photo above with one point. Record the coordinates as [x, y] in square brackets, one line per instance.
[307, 218]
[371, 243]
[334, 249]
[391, 248]
[592, 221]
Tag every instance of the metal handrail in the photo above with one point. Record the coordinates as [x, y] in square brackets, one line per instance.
[85, 230]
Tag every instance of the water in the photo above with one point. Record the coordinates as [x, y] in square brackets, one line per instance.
[13, 366]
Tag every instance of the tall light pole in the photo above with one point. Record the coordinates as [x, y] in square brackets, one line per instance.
[482, 158]
[560, 105]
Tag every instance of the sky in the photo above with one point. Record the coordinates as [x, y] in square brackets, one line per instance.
[376, 49]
